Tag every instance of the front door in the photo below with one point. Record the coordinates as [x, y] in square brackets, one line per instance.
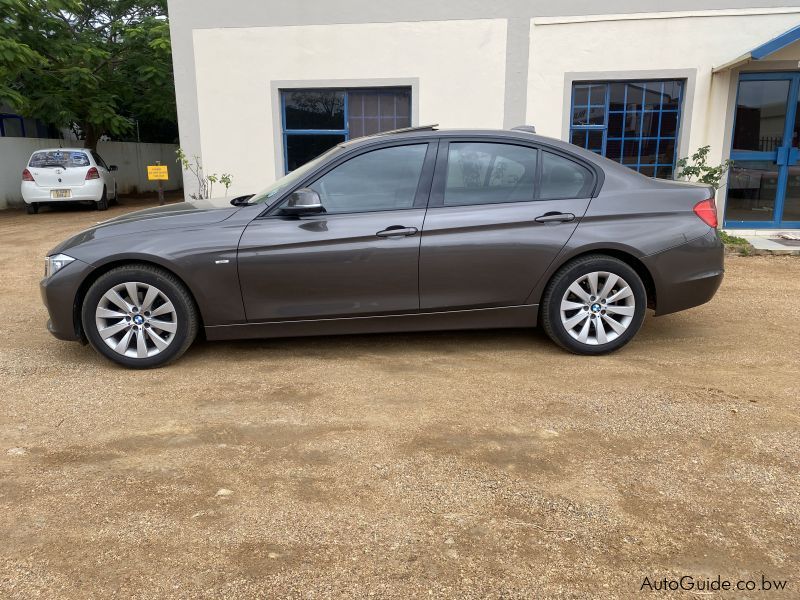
[359, 258]
[764, 181]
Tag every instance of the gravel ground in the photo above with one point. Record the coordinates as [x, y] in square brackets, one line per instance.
[469, 465]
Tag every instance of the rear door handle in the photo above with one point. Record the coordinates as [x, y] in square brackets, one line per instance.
[397, 231]
[555, 217]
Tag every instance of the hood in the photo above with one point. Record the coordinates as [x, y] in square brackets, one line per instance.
[192, 213]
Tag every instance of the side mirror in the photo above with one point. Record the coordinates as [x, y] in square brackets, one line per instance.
[304, 201]
[112, 167]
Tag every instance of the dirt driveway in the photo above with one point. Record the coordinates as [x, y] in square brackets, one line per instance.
[467, 465]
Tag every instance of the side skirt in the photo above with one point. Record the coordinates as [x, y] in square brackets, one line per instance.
[478, 318]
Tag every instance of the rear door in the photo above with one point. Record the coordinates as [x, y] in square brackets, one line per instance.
[499, 214]
[359, 258]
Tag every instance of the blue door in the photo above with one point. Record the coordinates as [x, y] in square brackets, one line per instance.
[764, 182]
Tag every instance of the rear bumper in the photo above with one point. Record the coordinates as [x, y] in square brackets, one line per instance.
[90, 191]
[59, 293]
[688, 275]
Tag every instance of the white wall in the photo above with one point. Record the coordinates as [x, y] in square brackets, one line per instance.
[644, 45]
[131, 158]
[459, 66]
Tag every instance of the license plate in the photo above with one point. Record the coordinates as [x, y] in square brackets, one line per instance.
[60, 193]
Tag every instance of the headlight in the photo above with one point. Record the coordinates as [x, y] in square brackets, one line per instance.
[53, 264]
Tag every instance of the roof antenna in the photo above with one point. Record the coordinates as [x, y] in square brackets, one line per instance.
[528, 128]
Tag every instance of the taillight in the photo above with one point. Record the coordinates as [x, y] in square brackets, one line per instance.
[26, 175]
[92, 174]
[707, 211]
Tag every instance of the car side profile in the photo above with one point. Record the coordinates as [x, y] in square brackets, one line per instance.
[413, 230]
[58, 175]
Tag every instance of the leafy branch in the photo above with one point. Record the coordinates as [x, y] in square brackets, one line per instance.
[205, 183]
[696, 168]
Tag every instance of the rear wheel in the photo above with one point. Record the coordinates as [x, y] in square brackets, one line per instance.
[32, 208]
[594, 305]
[102, 204]
[139, 316]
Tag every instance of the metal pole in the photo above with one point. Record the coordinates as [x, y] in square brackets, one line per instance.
[160, 189]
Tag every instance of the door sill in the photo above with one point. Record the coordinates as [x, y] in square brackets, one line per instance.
[477, 318]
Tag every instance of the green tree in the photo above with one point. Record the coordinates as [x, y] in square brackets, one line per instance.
[95, 65]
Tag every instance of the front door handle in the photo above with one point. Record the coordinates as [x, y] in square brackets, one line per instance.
[397, 231]
[555, 217]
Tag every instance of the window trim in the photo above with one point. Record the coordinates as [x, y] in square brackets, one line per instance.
[423, 185]
[440, 176]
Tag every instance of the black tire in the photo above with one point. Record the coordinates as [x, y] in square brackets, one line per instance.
[32, 208]
[102, 204]
[186, 315]
[570, 273]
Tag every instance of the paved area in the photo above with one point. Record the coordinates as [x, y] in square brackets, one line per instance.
[456, 465]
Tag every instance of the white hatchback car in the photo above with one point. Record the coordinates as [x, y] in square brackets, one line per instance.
[67, 175]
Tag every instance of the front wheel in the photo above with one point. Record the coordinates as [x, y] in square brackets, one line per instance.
[139, 316]
[594, 305]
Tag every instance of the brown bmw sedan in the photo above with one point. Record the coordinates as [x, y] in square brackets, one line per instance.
[412, 230]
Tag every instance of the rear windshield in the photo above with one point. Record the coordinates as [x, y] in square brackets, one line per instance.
[59, 158]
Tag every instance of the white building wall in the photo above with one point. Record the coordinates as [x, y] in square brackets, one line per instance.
[458, 70]
[132, 159]
[652, 45]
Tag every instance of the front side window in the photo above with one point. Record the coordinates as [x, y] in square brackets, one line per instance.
[315, 120]
[632, 122]
[489, 173]
[384, 179]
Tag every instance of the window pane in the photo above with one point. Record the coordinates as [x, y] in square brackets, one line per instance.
[669, 124]
[579, 138]
[372, 111]
[752, 187]
[614, 149]
[635, 92]
[664, 172]
[302, 148]
[791, 203]
[597, 115]
[615, 124]
[649, 156]
[581, 96]
[617, 96]
[12, 126]
[580, 115]
[595, 141]
[652, 95]
[314, 109]
[630, 152]
[384, 179]
[481, 173]
[760, 115]
[563, 178]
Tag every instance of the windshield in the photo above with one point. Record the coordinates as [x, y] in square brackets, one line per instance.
[58, 158]
[290, 179]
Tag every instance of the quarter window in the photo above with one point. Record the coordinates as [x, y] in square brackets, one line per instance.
[632, 122]
[563, 178]
[384, 179]
[487, 173]
[315, 120]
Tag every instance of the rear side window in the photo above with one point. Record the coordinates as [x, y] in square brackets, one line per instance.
[58, 158]
[99, 160]
[563, 178]
[384, 179]
[489, 173]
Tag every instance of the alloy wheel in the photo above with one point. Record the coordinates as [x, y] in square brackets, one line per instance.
[136, 319]
[597, 308]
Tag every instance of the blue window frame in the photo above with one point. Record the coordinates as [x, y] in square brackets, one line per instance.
[316, 119]
[635, 123]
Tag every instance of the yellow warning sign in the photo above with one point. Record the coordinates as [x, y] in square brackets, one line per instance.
[156, 172]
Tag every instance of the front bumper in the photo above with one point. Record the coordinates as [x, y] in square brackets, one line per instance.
[688, 275]
[60, 293]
